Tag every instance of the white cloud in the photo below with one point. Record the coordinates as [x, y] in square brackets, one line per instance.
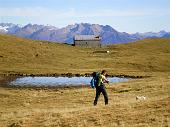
[60, 18]
[60, 14]
[33, 12]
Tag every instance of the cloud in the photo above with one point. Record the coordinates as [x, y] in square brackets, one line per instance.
[47, 13]
[33, 12]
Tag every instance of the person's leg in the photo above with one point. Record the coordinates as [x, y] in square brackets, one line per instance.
[98, 91]
[104, 92]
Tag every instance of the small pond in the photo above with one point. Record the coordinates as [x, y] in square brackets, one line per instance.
[59, 81]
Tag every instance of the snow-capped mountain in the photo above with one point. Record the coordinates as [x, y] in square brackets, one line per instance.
[9, 28]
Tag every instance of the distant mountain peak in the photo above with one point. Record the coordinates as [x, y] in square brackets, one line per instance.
[51, 33]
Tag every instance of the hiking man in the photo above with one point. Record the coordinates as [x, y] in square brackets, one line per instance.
[100, 87]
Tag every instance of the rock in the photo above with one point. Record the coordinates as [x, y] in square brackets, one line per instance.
[69, 74]
[77, 75]
[141, 98]
[87, 74]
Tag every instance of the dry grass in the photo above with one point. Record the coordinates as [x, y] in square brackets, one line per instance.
[72, 107]
[145, 57]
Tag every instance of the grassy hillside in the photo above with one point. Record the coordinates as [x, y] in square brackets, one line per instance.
[18, 55]
[73, 107]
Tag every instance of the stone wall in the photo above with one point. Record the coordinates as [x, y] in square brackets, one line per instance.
[87, 43]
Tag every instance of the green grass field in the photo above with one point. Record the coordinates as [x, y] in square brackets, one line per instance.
[73, 107]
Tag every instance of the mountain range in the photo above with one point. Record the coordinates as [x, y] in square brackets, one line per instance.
[65, 35]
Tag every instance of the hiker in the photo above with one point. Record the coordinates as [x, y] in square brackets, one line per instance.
[100, 87]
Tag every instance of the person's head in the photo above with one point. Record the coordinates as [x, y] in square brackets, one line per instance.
[104, 72]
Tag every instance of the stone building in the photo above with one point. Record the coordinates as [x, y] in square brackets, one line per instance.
[87, 40]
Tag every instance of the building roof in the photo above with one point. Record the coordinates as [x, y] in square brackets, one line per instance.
[86, 37]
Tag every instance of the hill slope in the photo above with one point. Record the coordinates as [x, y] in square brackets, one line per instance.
[18, 55]
[74, 106]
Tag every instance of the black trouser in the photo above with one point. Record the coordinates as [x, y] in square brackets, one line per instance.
[101, 89]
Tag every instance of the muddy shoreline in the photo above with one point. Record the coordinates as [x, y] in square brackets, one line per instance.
[67, 75]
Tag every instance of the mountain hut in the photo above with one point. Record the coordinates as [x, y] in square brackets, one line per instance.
[87, 41]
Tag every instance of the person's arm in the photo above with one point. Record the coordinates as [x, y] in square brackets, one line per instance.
[105, 80]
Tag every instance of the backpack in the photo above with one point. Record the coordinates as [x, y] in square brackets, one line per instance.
[94, 80]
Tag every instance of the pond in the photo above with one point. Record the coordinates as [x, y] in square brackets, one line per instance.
[59, 81]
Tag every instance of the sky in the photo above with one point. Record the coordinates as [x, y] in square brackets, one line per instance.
[123, 15]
